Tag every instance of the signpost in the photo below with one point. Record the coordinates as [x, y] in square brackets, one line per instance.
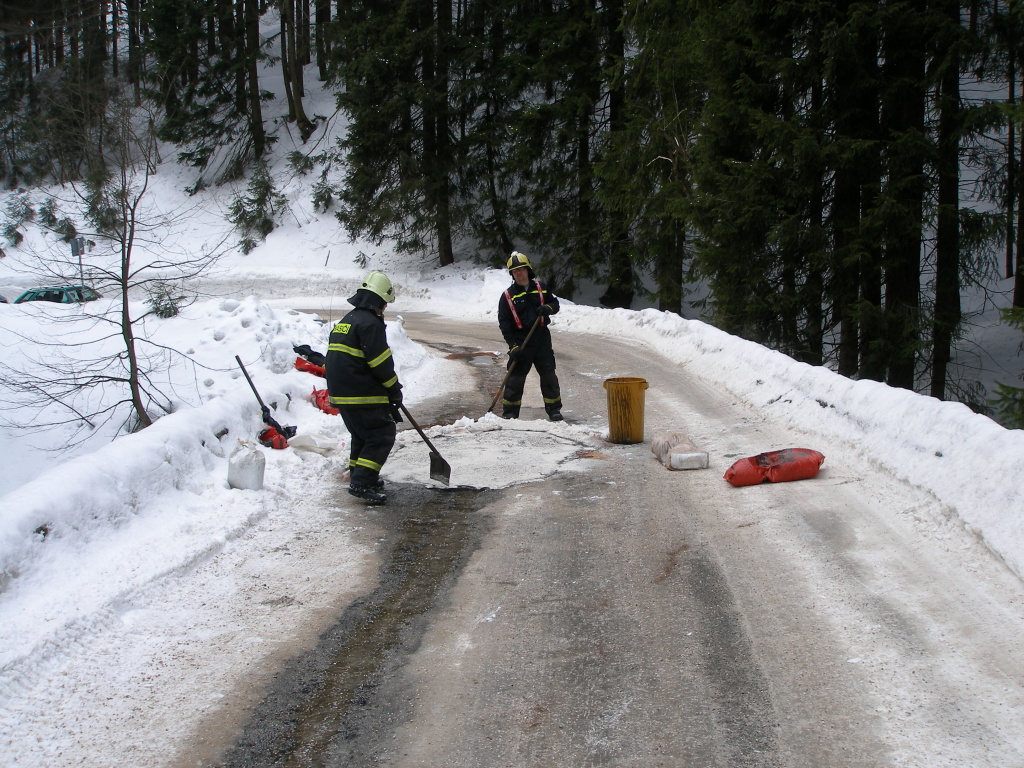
[77, 249]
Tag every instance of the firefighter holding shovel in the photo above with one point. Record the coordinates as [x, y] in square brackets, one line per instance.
[524, 312]
[363, 385]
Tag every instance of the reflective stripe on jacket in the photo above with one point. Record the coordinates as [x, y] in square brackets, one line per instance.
[360, 369]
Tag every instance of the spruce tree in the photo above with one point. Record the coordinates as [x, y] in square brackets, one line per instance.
[906, 147]
[851, 56]
[392, 60]
[207, 80]
[947, 314]
[757, 166]
[484, 87]
[644, 165]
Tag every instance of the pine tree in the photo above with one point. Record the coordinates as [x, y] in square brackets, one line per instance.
[757, 166]
[483, 97]
[851, 54]
[393, 62]
[293, 57]
[906, 147]
[644, 167]
[947, 313]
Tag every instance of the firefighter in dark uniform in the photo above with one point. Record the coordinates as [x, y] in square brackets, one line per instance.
[363, 385]
[524, 302]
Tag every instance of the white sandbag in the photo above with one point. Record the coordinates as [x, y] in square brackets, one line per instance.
[313, 443]
[676, 451]
[246, 465]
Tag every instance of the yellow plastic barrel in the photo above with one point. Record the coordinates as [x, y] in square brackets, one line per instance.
[625, 409]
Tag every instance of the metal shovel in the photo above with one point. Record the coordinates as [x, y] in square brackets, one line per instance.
[439, 469]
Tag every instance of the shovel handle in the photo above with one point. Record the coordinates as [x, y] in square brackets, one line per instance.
[251, 385]
[267, 418]
[417, 428]
[512, 367]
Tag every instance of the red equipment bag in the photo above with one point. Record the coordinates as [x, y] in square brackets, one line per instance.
[271, 438]
[308, 367]
[322, 400]
[775, 467]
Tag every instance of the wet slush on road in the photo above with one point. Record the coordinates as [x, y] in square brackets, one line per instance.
[322, 708]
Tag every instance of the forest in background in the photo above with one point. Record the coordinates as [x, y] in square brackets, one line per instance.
[836, 174]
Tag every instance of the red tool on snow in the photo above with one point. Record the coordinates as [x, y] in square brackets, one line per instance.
[274, 436]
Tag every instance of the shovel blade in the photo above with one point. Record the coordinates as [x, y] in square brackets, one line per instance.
[439, 469]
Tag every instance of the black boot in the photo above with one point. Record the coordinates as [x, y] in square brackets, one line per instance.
[370, 494]
[367, 485]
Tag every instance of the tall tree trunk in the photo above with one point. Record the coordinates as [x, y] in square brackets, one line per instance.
[304, 30]
[115, 36]
[291, 67]
[252, 45]
[210, 25]
[323, 23]
[947, 245]
[240, 34]
[133, 12]
[1018, 275]
[1016, 156]
[844, 221]
[1011, 157]
[668, 266]
[904, 136]
[1014, 163]
[813, 345]
[446, 253]
[621, 289]
[870, 320]
[495, 200]
[287, 53]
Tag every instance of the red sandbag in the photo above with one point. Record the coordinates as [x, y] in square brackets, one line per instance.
[308, 367]
[322, 399]
[775, 467]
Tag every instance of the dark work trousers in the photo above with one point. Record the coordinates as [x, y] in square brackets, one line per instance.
[543, 359]
[372, 430]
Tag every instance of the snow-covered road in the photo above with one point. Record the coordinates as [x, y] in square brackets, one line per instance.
[607, 610]
[628, 615]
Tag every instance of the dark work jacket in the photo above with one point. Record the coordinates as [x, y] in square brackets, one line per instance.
[526, 300]
[360, 368]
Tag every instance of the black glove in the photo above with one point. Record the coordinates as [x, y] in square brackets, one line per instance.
[544, 309]
[514, 353]
[395, 397]
[309, 354]
[395, 401]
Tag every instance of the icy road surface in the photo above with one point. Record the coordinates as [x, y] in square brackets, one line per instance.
[616, 613]
[567, 602]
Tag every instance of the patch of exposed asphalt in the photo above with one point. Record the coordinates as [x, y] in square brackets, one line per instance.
[325, 707]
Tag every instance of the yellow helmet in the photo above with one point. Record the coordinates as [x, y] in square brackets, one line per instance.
[518, 260]
[378, 283]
